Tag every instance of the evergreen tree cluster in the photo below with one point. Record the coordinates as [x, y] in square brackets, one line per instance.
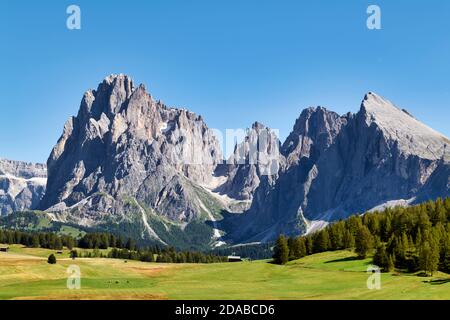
[50, 240]
[410, 239]
[121, 248]
[153, 254]
[101, 240]
[170, 255]
[45, 240]
[258, 251]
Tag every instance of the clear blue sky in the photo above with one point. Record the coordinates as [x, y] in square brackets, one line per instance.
[232, 61]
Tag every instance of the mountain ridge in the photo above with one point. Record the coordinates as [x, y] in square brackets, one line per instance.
[22, 185]
[359, 161]
[129, 163]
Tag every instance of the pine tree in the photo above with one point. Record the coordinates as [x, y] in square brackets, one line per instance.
[381, 258]
[130, 245]
[302, 247]
[376, 241]
[373, 223]
[399, 249]
[405, 243]
[440, 214]
[429, 255]
[386, 228]
[51, 259]
[321, 241]
[309, 245]
[73, 254]
[348, 240]
[444, 261]
[35, 241]
[281, 250]
[391, 264]
[445, 266]
[294, 248]
[58, 243]
[297, 248]
[424, 223]
[363, 242]
[70, 243]
[337, 236]
[418, 241]
[293, 251]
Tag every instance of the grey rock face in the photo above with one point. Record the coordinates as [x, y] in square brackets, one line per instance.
[123, 146]
[257, 156]
[22, 185]
[314, 131]
[128, 159]
[276, 202]
[338, 166]
[382, 155]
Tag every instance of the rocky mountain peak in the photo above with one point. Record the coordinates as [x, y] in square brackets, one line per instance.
[123, 144]
[128, 160]
[258, 126]
[342, 165]
[129, 163]
[315, 126]
[314, 120]
[375, 106]
[256, 158]
[118, 84]
[399, 126]
[109, 98]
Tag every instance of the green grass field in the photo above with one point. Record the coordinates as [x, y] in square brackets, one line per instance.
[25, 274]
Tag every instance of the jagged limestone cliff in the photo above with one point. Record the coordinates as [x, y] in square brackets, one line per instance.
[22, 185]
[130, 164]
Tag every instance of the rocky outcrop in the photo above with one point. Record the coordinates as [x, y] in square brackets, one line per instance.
[122, 147]
[275, 208]
[314, 131]
[22, 185]
[382, 155]
[256, 157]
[338, 166]
[128, 162]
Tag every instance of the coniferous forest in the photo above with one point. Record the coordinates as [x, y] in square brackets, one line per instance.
[408, 239]
[120, 248]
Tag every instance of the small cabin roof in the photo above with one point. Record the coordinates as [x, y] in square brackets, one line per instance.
[234, 257]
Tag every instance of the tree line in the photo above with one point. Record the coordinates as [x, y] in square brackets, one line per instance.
[166, 255]
[409, 239]
[152, 254]
[121, 248]
[50, 240]
[258, 251]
